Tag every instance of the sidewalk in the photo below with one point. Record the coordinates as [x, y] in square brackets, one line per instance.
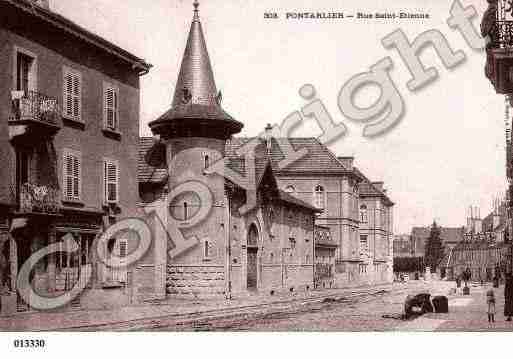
[467, 313]
[51, 321]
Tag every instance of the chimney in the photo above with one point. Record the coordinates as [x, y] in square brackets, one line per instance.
[268, 137]
[379, 185]
[42, 3]
[347, 162]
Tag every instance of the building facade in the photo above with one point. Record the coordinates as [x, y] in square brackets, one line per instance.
[233, 247]
[485, 250]
[322, 188]
[325, 251]
[68, 135]
[376, 232]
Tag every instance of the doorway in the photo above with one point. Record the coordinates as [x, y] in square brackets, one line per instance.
[252, 258]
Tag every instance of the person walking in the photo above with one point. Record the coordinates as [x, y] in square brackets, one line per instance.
[508, 297]
[490, 301]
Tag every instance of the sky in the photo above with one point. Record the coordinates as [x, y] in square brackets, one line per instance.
[446, 154]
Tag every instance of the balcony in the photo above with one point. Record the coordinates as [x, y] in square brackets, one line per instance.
[322, 237]
[37, 199]
[35, 113]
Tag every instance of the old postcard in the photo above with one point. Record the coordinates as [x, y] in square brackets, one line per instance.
[257, 166]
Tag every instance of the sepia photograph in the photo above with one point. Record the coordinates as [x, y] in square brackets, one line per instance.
[221, 166]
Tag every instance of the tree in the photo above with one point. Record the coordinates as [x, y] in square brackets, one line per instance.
[434, 250]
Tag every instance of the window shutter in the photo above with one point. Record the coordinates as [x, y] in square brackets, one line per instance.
[111, 181]
[72, 88]
[68, 97]
[72, 176]
[105, 194]
[77, 111]
[77, 173]
[110, 111]
[67, 179]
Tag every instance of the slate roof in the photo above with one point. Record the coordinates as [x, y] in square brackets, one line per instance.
[285, 197]
[146, 172]
[366, 188]
[318, 158]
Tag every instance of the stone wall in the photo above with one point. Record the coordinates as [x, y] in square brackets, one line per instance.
[195, 280]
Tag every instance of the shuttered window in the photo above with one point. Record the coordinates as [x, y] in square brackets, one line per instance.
[72, 91]
[72, 175]
[111, 180]
[110, 107]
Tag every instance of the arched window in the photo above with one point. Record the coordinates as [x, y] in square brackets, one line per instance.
[253, 236]
[319, 196]
[363, 213]
[206, 160]
[290, 189]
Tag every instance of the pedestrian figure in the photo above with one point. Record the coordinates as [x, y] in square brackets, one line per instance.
[508, 297]
[490, 301]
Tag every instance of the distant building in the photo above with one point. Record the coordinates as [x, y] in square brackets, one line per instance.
[485, 250]
[403, 246]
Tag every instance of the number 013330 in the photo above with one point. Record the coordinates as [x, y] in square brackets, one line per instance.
[29, 343]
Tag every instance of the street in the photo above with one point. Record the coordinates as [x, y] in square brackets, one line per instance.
[364, 313]
[361, 311]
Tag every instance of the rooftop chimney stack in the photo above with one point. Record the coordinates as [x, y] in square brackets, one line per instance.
[268, 137]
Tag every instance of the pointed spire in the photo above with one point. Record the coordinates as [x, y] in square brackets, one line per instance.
[196, 107]
[195, 83]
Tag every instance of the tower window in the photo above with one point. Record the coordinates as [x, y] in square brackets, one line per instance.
[206, 250]
[185, 210]
[206, 160]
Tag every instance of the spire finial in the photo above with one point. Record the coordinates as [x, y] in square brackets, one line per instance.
[196, 5]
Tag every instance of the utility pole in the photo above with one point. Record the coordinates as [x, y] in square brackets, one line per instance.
[228, 247]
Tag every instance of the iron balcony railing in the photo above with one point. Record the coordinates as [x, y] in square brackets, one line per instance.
[34, 198]
[35, 106]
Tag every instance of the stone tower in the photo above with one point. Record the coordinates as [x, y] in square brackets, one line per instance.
[195, 131]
